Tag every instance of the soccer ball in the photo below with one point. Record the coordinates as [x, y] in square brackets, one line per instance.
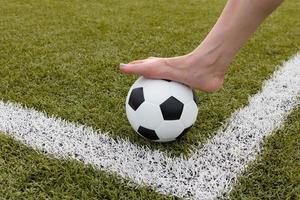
[161, 110]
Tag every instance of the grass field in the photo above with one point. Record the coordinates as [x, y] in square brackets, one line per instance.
[62, 57]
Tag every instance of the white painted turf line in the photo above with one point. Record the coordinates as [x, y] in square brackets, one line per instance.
[209, 173]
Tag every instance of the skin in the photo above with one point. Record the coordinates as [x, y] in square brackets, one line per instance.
[205, 67]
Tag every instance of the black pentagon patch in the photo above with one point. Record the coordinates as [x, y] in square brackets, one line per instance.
[136, 98]
[183, 132]
[195, 97]
[171, 109]
[147, 133]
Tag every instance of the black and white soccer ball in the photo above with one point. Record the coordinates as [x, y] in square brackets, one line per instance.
[161, 110]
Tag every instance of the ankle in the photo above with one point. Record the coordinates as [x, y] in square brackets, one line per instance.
[215, 59]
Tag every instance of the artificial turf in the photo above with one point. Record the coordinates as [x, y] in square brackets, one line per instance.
[27, 174]
[62, 57]
[276, 173]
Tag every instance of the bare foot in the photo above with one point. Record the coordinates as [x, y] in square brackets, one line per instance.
[201, 73]
[205, 67]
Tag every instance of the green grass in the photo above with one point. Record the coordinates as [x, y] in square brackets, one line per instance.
[27, 174]
[276, 173]
[62, 57]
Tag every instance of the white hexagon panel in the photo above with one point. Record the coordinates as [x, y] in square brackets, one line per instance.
[157, 91]
[169, 130]
[182, 92]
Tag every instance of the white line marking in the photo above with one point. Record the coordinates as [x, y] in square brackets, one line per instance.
[207, 174]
